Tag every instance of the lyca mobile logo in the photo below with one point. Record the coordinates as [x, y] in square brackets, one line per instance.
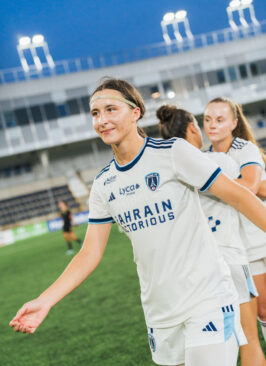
[129, 189]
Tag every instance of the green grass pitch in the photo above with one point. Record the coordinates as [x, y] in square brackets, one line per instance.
[100, 324]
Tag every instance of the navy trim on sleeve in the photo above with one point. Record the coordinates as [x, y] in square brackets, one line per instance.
[210, 181]
[101, 221]
[250, 163]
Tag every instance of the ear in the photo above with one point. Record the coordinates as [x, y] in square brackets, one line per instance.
[235, 122]
[191, 128]
[136, 114]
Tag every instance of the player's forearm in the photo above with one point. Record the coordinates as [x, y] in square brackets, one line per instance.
[244, 201]
[241, 198]
[252, 186]
[81, 266]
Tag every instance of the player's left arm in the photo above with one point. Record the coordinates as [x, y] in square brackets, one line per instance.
[241, 198]
[251, 177]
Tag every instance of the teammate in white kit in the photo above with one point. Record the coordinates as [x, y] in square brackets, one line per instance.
[227, 128]
[224, 222]
[186, 288]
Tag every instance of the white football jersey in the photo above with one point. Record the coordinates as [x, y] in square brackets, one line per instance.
[181, 271]
[223, 219]
[246, 153]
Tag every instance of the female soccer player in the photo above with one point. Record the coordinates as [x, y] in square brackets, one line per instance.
[228, 130]
[225, 225]
[186, 287]
[68, 232]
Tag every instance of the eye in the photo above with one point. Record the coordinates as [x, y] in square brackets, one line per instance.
[110, 109]
[94, 113]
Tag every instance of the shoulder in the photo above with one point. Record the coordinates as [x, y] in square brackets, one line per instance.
[156, 143]
[104, 170]
[240, 144]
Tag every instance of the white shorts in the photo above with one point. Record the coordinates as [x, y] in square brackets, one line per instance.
[243, 282]
[258, 267]
[168, 344]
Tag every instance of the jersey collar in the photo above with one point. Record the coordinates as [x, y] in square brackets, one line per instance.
[123, 168]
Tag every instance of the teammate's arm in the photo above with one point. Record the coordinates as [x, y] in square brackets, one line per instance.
[31, 315]
[262, 189]
[241, 198]
[251, 177]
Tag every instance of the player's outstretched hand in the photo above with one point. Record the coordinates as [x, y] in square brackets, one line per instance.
[30, 316]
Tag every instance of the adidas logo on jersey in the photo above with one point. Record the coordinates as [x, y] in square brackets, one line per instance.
[112, 197]
[209, 328]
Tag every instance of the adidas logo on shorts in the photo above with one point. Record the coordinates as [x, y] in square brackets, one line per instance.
[209, 328]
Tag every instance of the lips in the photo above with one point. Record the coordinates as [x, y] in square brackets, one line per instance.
[106, 132]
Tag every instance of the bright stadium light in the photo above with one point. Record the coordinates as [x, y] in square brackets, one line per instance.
[234, 4]
[181, 14]
[168, 17]
[174, 19]
[239, 6]
[24, 41]
[170, 94]
[37, 41]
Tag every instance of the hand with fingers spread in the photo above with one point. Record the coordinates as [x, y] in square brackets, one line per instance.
[30, 316]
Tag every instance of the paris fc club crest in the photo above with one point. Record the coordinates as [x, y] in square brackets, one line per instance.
[152, 180]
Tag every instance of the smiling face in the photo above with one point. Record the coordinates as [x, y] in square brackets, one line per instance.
[113, 119]
[219, 122]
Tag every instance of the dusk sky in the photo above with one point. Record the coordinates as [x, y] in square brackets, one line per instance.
[79, 28]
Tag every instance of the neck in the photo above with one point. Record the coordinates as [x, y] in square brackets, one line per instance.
[128, 149]
[223, 145]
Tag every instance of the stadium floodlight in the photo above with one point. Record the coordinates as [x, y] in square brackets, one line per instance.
[174, 19]
[239, 6]
[181, 14]
[168, 17]
[24, 41]
[37, 41]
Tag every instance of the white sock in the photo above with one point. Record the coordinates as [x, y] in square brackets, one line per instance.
[263, 327]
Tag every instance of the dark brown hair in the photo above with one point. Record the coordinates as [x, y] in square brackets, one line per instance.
[243, 128]
[173, 122]
[128, 91]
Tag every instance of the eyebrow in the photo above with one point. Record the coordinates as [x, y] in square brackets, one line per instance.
[105, 107]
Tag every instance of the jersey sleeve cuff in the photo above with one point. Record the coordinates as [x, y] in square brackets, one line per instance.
[101, 221]
[251, 163]
[210, 181]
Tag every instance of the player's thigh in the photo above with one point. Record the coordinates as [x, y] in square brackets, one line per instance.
[220, 354]
[249, 321]
[67, 235]
[260, 281]
[73, 235]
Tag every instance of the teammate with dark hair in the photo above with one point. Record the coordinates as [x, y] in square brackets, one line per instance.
[224, 222]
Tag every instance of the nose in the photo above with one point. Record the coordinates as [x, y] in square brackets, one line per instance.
[212, 124]
[102, 119]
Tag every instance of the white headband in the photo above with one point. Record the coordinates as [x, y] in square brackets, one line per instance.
[121, 99]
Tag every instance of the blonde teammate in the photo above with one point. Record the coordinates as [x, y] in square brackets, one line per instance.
[228, 130]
